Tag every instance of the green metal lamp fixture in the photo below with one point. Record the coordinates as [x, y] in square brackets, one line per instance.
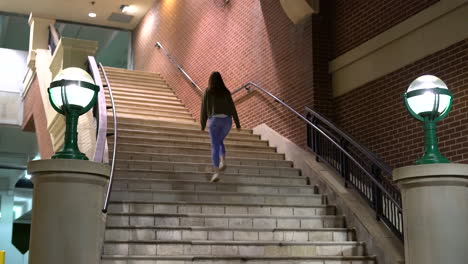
[429, 100]
[72, 93]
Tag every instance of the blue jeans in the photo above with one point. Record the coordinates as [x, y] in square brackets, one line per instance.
[219, 127]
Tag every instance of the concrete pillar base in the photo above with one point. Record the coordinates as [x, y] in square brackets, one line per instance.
[435, 212]
[67, 223]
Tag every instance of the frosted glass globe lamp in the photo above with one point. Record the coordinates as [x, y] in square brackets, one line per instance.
[72, 93]
[429, 100]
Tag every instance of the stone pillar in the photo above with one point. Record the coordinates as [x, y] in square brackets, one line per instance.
[6, 226]
[67, 223]
[38, 36]
[435, 209]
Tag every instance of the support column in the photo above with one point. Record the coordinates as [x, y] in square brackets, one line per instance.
[6, 226]
[67, 222]
[38, 37]
[435, 211]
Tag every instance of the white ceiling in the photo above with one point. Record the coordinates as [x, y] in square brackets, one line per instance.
[77, 10]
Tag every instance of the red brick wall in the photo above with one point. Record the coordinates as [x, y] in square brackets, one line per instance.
[34, 113]
[322, 46]
[376, 116]
[245, 41]
[357, 21]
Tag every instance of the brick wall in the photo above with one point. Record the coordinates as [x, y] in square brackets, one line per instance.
[322, 53]
[356, 21]
[376, 116]
[245, 41]
[34, 120]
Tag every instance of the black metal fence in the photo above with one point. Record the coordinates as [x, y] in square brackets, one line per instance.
[379, 191]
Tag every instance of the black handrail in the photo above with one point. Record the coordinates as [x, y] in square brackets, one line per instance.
[387, 205]
[383, 196]
[370, 155]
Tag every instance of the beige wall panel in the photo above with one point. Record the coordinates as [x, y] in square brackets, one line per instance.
[434, 29]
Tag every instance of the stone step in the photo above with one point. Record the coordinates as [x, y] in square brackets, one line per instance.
[147, 105]
[163, 148]
[135, 82]
[116, 259]
[161, 110]
[204, 167]
[206, 176]
[185, 143]
[222, 197]
[123, 111]
[133, 77]
[153, 117]
[180, 130]
[137, 94]
[132, 155]
[109, 69]
[160, 88]
[234, 248]
[148, 101]
[228, 234]
[158, 184]
[152, 92]
[195, 126]
[133, 74]
[216, 208]
[224, 221]
[193, 137]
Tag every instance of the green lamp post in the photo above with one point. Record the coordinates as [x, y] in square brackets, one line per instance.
[72, 93]
[429, 100]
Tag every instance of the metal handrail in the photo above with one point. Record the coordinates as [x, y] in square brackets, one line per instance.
[106, 201]
[194, 84]
[102, 112]
[370, 155]
[371, 177]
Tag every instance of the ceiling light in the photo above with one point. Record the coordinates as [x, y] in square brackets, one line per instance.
[92, 14]
[127, 9]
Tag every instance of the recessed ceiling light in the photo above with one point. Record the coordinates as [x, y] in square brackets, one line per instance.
[92, 14]
[127, 8]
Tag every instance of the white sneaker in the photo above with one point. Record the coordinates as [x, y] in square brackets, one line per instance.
[215, 177]
[222, 166]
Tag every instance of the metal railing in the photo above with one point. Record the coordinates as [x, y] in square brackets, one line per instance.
[365, 172]
[101, 116]
[358, 166]
[194, 84]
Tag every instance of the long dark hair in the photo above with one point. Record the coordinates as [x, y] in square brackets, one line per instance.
[216, 84]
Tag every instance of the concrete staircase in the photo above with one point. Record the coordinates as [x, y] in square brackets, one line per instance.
[164, 210]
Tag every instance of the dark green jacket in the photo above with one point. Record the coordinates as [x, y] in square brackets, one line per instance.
[215, 105]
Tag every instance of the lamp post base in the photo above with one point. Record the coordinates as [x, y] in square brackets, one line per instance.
[432, 158]
[70, 155]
